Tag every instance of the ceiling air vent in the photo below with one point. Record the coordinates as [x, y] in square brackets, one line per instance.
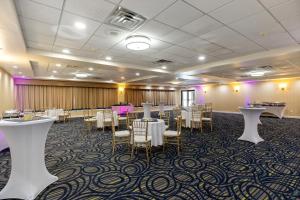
[162, 61]
[267, 67]
[125, 19]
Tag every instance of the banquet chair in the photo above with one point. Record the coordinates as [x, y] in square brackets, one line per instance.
[141, 139]
[173, 137]
[107, 118]
[119, 137]
[196, 121]
[166, 117]
[207, 115]
[176, 112]
[89, 121]
[131, 116]
[66, 115]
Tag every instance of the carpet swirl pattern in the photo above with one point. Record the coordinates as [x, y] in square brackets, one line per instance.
[212, 165]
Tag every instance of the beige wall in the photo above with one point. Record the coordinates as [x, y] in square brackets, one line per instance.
[6, 91]
[224, 98]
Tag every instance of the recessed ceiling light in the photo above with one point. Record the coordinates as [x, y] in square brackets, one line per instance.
[137, 42]
[164, 67]
[15, 67]
[54, 71]
[52, 77]
[67, 51]
[161, 88]
[108, 58]
[58, 65]
[201, 58]
[20, 72]
[172, 88]
[81, 75]
[137, 74]
[90, 69]
[122, 77]
[80, 25]
[177, 78]
[255, 74]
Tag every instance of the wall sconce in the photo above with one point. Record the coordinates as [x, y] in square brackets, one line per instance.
[236, 88]
[282, 86]
[205, 89]
[121, 90]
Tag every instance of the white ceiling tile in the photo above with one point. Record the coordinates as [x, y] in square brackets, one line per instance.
[97, 10]
[67, 30]
[263, 29]
[38, 11]
[199, 45]
[208, 5]
[154, 29]
[111, 33]
[179, 14]
[147, 8]
[181, 51]
[38, 27]
[176, 36]
[98, 43]
[36, 45]
[115, 1]
[296, 34]
[272, 3]
[38, 38]
[157, 44]
[221, 51]
[69, 43]
[288, 10]
[53, 3]
[236, 10]
[202, 25]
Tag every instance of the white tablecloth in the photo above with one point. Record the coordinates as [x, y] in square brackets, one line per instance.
[54, 113]
[276, 110]
[187, 115]
[100, 118]
[156, 131]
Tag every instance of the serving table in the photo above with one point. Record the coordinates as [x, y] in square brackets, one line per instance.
[251, 118]
[156, 130]
[26, 140]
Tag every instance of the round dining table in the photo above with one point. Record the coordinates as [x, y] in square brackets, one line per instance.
[156, 130]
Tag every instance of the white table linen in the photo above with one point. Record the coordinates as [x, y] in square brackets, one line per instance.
[251, 118]
[100, 119]
[156, 131]
[187, 115]
[54, 113]
[276, 110]
[29, 175]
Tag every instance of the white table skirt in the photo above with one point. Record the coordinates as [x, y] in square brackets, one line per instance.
[29, 175]
[276, 110]
[187, 115]
[100, 118]
[54, 113]
[251, 118]
[156, 131]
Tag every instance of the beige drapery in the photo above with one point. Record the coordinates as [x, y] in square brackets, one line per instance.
[138, 96]
[41, 97]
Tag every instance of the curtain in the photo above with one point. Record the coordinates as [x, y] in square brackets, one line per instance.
[40, 97]
[137, 97]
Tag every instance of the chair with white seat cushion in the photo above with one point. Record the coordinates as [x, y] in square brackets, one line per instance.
[130, 117]
[173, 137]
[141, 139]
[119, 137]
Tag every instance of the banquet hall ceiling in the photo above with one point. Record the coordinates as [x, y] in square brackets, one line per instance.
[224, 31]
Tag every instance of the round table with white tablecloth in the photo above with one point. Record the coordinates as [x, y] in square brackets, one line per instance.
[54, 113]
[100, 119]
[156, 130]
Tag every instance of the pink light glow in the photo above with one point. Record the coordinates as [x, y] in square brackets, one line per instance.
[122, 109]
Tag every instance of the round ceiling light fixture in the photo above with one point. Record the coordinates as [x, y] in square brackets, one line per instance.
[137, 42]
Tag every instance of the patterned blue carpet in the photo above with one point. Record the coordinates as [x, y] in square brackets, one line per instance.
[212, 165]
